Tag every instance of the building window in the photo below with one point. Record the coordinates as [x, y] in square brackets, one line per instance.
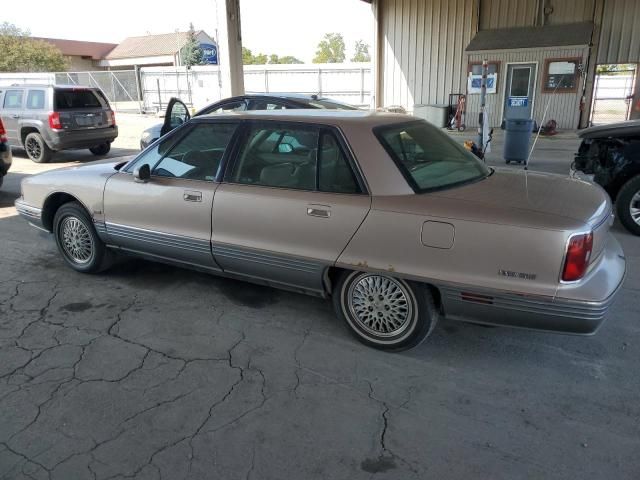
[561, 75]
[474, 80]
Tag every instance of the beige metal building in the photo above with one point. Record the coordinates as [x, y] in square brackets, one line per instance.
[539, 52]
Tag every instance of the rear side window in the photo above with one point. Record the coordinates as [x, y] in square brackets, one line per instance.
[334, 172]
[75, 99]
[12, 99]
[294, 157]
[35, 99]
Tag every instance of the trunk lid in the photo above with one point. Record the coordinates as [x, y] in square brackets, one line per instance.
[530, 194]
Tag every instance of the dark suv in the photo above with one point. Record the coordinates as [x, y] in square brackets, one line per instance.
[48, 118]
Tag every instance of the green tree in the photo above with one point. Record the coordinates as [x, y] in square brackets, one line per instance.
[330, 49]
[20, 53]
[288, 59]
[361, 53]
[191, 53]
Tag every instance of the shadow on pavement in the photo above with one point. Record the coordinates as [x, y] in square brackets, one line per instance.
[81, 156]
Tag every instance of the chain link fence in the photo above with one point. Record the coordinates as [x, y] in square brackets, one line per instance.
[612, 97]
[149, 89]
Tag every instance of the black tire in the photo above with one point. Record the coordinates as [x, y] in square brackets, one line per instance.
[36, 148]
[421, 312]
[100, 257]
[625, 202]
[101, 149]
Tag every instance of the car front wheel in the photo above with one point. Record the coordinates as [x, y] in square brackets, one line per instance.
[77, 240]
[385, 312]
[628, 205]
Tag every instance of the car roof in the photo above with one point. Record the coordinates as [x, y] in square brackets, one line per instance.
[369, 118]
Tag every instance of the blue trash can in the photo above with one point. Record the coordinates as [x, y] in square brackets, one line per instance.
[517, 136]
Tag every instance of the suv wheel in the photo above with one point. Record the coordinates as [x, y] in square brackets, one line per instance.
[36, 148]
[385, 312]
[628, 205]
[101, 149]
[77, 240]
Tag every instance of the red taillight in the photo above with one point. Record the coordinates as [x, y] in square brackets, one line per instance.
[54, 121]
[111, 118]
[2, 130]
[577, 258]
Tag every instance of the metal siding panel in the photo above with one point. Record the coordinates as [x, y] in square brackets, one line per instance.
[619, 36]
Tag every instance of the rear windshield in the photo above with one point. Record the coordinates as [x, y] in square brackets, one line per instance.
[76, 99]
[428, 158]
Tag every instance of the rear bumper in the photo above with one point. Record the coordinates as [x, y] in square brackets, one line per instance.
[64, 140]
[576, 309]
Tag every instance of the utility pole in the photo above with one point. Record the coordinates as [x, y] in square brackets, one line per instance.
[483, 99]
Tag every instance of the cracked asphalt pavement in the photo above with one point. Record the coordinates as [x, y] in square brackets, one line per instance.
[152, 372]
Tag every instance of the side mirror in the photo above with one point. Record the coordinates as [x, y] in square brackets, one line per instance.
[142, 174]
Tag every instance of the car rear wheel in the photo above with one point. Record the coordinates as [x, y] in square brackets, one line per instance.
[36, 148]
[101, 149]
[385, 312]
[628, 205]
[77, 240]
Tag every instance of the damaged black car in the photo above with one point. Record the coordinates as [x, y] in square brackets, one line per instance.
[611, 154]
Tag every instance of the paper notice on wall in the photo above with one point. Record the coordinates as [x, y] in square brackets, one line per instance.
[474, 83]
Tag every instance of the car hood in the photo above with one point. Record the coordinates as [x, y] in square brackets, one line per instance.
[532, 199]
[619, 129]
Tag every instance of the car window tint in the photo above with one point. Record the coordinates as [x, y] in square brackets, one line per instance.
[72, 99]
[35, 99]
[238, 106]
[278, 156]
[197, 156]
[266, 105]
[12, 99]
[334, 173]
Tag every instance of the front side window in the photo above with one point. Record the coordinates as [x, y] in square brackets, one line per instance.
[196, 156]
[12, 99]
[35, 99]
[276, 156]
[428, 158]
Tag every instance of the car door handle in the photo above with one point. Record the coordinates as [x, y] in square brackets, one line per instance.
[318, 212]
[192, 196]
[15, 116]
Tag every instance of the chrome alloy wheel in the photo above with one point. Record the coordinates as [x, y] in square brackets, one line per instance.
[634, 208]
[76, 240]
[381, 305]
[33, 148]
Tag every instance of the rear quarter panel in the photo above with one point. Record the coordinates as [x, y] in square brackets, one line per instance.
[391, 241]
